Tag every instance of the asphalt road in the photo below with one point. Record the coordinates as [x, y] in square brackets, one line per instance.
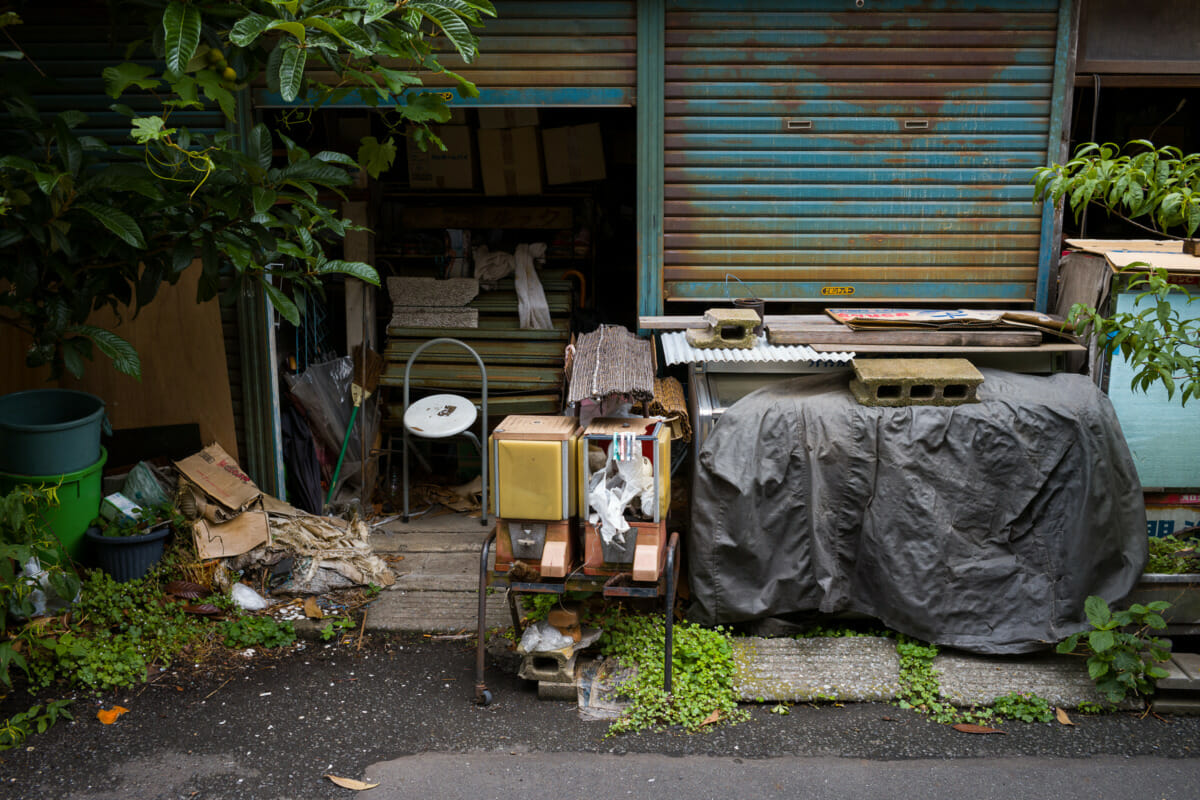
[399, 712]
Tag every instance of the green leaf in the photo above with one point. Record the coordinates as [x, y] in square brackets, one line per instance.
[181, 34]
[1097, 611]
[296, 29]
[1097, 668]
[376, 157]
[263, 199]
[118, 222]
[261, 145]
[355, 269]
[119, 78]
[291, 71]
[247, 29]
[124, 358]
[282, 303]
[149, 129]
[1100, 641]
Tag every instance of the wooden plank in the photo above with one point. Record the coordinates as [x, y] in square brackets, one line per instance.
[842, 336]
[184, 374]
[560, 333]
[466, 377]
[868, 349]
[670, 323]
[487, 216]
[504, 351]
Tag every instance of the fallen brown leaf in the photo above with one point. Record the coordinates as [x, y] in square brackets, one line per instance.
[205, 609]
[968, 727]
[311, 609]
[186, 589]
[1062, 717]
[711, 719]
[108, 716]
[350, 783]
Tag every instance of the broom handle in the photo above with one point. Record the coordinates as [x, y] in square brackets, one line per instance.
[337, 471]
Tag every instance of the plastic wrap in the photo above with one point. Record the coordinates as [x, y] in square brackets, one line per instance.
[983, 526]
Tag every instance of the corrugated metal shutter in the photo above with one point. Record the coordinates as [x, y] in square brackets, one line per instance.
[545, 53]
[817, 149]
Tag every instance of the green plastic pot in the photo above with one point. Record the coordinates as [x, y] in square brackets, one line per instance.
[50, 431]
[78, 501]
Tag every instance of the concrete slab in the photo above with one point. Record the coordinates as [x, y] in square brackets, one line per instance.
[1183, 672]
[399, 610]
[444, 572]
[428, 542]
[1172, 703]
[977, 680]
[853, 669]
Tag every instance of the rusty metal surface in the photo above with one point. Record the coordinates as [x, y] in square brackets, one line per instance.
[813, 147]
[540, 52]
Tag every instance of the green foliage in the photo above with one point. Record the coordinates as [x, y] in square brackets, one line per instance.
[1138, 180]
[37, 718]
[152, 516]
[839, 632]
[538, 606]
[1161, 344]
[116, 631]
[921, 691]
[702, 674]
[85, 224]
[1122, 655]
[1022, 707]
[1173, 556]
[256, 631]
[23, 537]
[336, 628]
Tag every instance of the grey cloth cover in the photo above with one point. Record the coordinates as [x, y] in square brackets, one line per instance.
[983, 526]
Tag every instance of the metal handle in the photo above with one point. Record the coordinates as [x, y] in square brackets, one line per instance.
[916, 124]
[799, 124]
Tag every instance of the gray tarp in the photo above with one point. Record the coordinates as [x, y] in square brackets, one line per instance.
[983, 526]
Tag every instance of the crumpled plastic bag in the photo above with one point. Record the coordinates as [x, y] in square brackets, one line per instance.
[44, 599]
[612, 491]
[246, 598]
[542, 637]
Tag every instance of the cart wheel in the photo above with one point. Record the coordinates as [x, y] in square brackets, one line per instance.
[484, 698]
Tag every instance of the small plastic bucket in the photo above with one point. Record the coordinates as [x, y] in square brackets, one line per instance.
[50, 431]
[78, 501]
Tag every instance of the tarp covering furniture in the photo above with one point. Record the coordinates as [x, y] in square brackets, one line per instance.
[982, 526]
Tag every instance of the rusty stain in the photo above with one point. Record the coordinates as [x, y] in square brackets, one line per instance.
[447, 411]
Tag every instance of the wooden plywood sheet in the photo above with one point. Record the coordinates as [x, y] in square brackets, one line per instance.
[184, 373]
[1160, 253]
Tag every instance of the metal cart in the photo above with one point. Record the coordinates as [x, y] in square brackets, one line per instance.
[619, 585]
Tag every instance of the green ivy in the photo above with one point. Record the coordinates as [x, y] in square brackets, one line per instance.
[17, 728]
[254, 631]
[702, 670]
[336, 627]
[921, 691]
[1122, 655]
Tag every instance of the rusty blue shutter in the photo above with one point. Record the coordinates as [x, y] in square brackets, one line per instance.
[819, 150]
[546, 53]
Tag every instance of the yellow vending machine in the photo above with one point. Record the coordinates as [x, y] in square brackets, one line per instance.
[534, 497]
[624, 496]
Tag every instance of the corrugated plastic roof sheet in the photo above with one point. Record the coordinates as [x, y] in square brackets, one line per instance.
[676, 350]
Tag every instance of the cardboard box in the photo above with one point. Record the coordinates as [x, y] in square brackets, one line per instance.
[452, 168]
[574, 154]
[508, 117]
[510, 160]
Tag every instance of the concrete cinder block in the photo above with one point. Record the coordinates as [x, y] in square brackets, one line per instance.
[420, 317]
[555, 666]
[915, 382]
[432, 292]
[728, 329]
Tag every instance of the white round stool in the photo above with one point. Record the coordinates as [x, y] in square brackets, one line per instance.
[440, 416]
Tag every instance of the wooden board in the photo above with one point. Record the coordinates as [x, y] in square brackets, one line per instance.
[840, 335]
[536, 428]
[913, 349]
[184, 373]
[1102, 246]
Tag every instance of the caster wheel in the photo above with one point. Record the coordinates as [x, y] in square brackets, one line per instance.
[485, 698]
[404, 519]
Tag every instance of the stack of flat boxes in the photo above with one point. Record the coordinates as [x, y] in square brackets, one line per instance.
[533, 461]
[644, 550]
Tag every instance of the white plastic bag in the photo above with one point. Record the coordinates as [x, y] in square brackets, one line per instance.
[246, 598]
[542, 637]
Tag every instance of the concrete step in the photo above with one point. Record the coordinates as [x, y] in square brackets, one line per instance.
[399, 610]
[853, 669]
[428, 542]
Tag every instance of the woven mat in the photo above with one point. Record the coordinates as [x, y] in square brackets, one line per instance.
[669, 402]
[611, 360]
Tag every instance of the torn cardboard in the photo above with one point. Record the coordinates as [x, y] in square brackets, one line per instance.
[216, 474]
[241, 534]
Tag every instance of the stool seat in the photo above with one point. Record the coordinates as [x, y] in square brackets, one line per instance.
[440, 416]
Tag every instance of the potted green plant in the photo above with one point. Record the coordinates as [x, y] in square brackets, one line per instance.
[86, 223]
[127, 548]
